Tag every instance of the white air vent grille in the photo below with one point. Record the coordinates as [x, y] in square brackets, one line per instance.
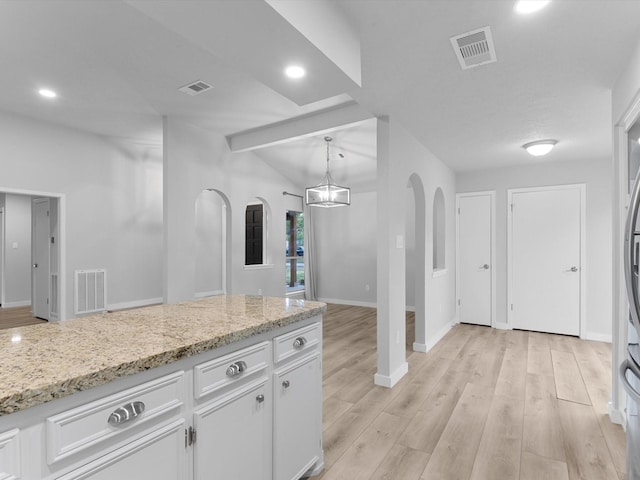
[90, 291]
[195, 88]
[474, 48]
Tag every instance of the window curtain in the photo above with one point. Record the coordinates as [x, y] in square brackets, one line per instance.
[310, 279]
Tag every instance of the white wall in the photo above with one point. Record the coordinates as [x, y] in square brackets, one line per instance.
[113, 192]
[194, 160]
[17, 255]
[346, 251]
[597, 177]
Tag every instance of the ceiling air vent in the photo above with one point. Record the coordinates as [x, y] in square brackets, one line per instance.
[474, 48]
[195, 88]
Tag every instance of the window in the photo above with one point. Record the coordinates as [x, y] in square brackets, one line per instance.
[294, 267]
[254, 216]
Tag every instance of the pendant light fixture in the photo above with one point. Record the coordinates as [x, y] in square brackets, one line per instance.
[327, 193]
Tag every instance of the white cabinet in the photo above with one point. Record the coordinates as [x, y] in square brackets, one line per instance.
[297, 437]
[233, 436]
[245, 411]
[160, 455]
[297, 389]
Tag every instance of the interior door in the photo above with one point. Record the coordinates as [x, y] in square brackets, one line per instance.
[545, 259]
[475, 265]
[40, 258]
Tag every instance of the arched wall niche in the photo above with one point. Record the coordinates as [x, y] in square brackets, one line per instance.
[213, 237]
[439, 227]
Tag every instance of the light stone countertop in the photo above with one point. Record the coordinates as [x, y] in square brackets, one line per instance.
[40, 363]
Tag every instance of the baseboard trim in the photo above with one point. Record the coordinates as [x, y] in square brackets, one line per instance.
[135, 304]
[24, 303]
[501, 326]
[598, 337]
[348, 302]
[388, 381]
[617, 416]
[432, 342]
[212, 293]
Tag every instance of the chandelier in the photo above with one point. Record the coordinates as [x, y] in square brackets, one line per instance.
[327, 193]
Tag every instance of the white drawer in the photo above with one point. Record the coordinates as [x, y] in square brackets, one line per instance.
[299, 341]
[230, 370]
[77, 429]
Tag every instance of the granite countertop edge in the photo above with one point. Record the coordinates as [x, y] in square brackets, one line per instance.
[42, 393]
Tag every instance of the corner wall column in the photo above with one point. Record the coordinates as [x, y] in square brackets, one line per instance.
[391, 318]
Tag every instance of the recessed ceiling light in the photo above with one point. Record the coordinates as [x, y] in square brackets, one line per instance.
[530, 6]
[294, 71]
[45, 92]
[540, 147]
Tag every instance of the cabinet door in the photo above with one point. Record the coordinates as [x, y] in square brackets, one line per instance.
[297, 418]
[159, 455]
[233, 436]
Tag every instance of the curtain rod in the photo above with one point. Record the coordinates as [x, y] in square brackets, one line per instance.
[292, 194]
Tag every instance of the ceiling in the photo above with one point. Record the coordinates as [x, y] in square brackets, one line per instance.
[117, 66]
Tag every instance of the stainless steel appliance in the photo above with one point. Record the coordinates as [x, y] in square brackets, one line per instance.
[630, 368]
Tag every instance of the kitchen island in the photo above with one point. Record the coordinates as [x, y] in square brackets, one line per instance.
[184, 391]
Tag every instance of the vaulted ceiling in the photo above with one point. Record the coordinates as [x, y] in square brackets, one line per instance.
[117, 66]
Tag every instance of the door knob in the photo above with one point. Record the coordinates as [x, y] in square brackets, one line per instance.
[35, 265]
[573, 269]
[484, 267]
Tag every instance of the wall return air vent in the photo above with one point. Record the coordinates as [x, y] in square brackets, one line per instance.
[474, 48]
[195, 88]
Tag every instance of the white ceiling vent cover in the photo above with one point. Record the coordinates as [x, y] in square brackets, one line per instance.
[195, 88]
[474, 48]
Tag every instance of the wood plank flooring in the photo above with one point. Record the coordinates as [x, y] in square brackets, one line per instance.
[483, 404]
[17, 317]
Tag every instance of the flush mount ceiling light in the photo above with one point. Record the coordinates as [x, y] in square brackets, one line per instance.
[530, 6]
[45, 92]
[327, 193]
[540, 147]
[295, 71]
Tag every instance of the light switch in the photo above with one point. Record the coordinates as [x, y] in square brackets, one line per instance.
[14, 245]
[399, 241]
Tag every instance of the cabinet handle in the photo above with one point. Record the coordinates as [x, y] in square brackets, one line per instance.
[260, 398]
[299, 342]
[236, 369]
[126, 413]
[286, 384]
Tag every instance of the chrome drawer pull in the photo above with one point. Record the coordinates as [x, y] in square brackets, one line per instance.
[260, 398]
[126, 413]
[286, 384]
[236, 369]
[299, 343]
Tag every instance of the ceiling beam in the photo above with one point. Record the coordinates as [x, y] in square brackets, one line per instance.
[317, 123]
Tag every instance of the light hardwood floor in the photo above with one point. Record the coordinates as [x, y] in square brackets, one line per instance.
[483, 404]
[17, 317]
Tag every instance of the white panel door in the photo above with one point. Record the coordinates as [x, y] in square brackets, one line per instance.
[234, 436]
[474, 258]
[41, 258]
[159, 455]
[297, 432]
[545, 259]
